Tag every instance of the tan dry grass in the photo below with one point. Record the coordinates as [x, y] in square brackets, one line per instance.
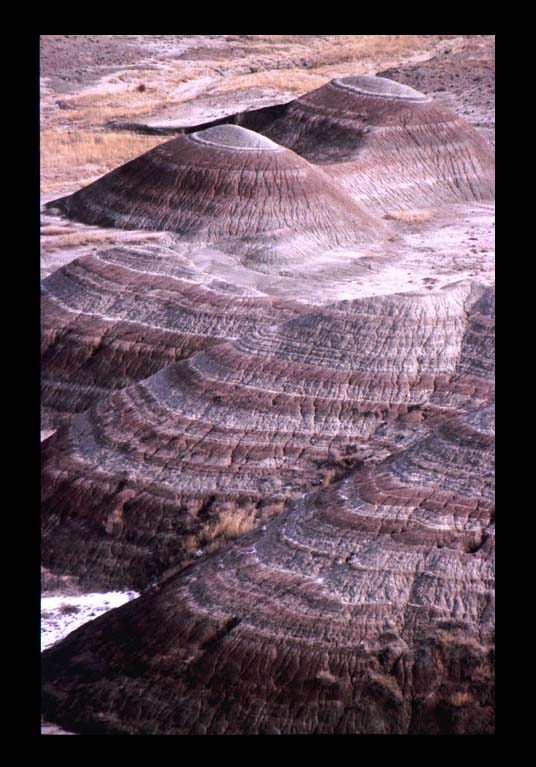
[460, 699]
[55, 231]
[288, 80]
[327, 48]
[357, 47]
[321, 54]
[234, 522]
[78, 157]
[69, 239]
[410, 216]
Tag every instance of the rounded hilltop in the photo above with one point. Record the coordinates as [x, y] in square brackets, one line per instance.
[380, 87]
[235, 137]
[378, 618]
[225, 182]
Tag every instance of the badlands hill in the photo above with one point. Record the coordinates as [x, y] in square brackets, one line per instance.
[115, 317]
[260, 212]
[133, 488]
[366, 608]
[227, 188]
[225, 182]
[277, 423]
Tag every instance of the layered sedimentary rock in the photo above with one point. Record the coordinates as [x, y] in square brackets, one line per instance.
[356, 437]
[137, 485]
[250, 210]
[271, 224]
[226, 184]
[365, 608]
[390, 146]
[116, 317]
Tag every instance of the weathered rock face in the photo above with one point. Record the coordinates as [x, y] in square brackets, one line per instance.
[117, 317]
[226, 183]
[258, 208]
[365, 608]
[349, 445]
[136, 485]
[390, 146]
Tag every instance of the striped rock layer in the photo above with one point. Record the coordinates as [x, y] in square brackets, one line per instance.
[213, 445]
[114, 318]
[388, 145]
[227, 187]
[365, 608]
[227, 184]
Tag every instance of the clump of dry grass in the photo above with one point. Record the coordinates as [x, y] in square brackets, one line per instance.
[460, 699]
[55, 231]
[410, 216]
[233, 522]
[63, 240]
[295, 81]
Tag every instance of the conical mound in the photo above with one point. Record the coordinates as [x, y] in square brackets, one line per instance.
[378, 87]
[223, 182]
[389, 145]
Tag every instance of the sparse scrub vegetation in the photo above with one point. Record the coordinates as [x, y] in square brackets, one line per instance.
[234, 522]
[76, 238]
[231, 522]
[294, 81]
[460, 699]
[79, 157]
